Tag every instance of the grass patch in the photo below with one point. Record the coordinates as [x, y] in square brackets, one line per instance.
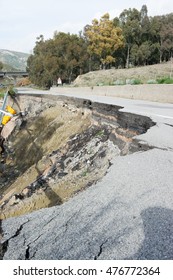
[84, 173]
[136, 82]
[100, 133]
[1, 95]
[2, 92]
[119, 82]
[165, 80]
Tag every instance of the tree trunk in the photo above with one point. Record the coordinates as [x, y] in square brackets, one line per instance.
[160, 52]
[128, 56]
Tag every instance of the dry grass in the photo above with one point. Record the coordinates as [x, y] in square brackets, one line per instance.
[109, 77]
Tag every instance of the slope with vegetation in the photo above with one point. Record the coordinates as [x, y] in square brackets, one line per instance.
[150, 74]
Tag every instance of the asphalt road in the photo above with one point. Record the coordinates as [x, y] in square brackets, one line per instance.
[159, 111]
[126, 215]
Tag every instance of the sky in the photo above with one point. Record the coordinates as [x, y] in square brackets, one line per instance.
[22, 21]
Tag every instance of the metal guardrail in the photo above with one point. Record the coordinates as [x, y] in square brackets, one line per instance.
[3, 105]
[13, 73]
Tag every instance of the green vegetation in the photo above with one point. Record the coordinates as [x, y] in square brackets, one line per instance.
[100, 133]
[63, 56]
[152, 81]
[131, 40]
[136, 75]
[119, 82]
[104, 38]
[135, 82]
[165, 80]
[1, 94]
[84, 173]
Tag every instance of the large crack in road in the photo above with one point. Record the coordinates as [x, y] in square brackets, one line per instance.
[125, 211]
[61, 147]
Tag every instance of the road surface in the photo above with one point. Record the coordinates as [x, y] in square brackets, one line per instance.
[126, 215]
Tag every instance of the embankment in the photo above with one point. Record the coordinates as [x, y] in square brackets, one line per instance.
[60, 147]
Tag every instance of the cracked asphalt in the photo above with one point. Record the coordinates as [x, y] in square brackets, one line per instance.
[128, 214]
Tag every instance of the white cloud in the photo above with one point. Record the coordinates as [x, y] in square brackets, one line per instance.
[70, 27]
[22, 21]
[113, 13]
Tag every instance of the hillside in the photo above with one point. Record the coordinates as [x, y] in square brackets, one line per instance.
[144, 74]
[13, 60]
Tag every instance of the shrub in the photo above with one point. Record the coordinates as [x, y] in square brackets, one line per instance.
[1, 95]
[165, 80]
[100, 84]
[135, 82]
[152, 82]
[119, 82]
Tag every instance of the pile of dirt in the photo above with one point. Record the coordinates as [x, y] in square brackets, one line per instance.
[23, 82]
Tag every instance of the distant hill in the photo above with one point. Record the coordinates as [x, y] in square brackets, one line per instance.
[13, 60]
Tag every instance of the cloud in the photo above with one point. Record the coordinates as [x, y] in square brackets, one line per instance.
[70, 27]
[22, 21]
[161, 8]
[113, 13]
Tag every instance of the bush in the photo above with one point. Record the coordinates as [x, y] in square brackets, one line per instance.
[1, 95]
[165, 80]
[152, 82]
[100, 84]
[135, 82]
[119, 83]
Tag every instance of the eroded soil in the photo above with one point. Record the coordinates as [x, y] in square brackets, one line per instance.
[61, 147]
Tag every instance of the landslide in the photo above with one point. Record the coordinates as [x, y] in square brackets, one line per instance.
[59, 148]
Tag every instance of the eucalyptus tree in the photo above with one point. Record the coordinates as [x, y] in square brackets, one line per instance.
[103, 39]
[64, 56]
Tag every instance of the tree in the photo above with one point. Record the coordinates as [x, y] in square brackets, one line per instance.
[63, 56]
[103, 39]
[129, 21]
[140, 54]
[166, 35]
[72, 53]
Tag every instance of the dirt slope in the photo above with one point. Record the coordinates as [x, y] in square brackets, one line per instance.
[113, 76]
[60, 148]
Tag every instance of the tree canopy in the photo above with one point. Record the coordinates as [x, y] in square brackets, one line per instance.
[132, 39]
[63, 56]
[148, 40]
[104, 38]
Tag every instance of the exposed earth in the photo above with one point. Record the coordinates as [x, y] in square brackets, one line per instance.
[100, 178]
[60, 148]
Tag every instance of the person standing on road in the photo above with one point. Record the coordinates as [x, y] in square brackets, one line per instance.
[59, 82]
